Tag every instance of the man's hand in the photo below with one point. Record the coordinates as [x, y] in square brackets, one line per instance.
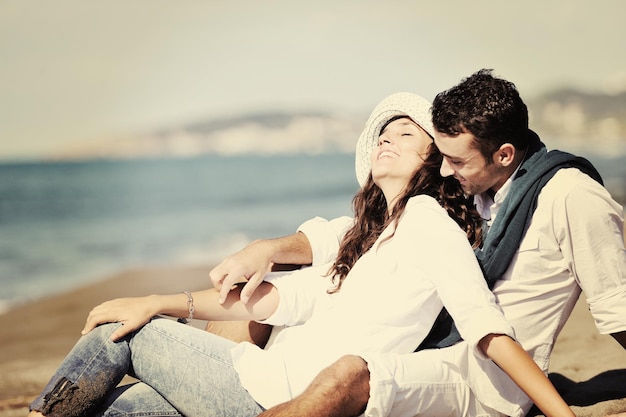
[131, 312]
[255, 260]
[249, 264]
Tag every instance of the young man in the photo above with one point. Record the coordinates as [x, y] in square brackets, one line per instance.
[552, 230]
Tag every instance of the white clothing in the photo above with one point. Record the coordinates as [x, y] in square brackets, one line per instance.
[426, 384]
[574, 240]
[368, 314]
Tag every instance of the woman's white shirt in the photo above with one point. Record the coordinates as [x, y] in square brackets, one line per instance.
[387, 303]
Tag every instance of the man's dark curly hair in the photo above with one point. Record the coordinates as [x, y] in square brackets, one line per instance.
[489, 108]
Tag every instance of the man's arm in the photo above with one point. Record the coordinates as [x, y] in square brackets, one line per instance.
[585, 218]
[250, 264]
[316, 241]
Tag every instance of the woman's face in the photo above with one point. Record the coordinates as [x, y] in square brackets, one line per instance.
[402, 148]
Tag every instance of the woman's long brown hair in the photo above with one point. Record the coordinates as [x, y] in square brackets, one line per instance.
[371, 214]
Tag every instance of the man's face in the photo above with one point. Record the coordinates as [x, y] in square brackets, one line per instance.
[467, 164]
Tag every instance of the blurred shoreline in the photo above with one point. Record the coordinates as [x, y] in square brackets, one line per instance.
[63, 225]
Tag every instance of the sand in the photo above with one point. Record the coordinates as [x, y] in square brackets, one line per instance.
[589, 368]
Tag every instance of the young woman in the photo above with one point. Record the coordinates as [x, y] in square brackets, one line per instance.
[406, 232]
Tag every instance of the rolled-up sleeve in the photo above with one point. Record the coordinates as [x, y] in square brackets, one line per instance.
[589, 225]
[325, 236]
[609, 311]
[299, 292]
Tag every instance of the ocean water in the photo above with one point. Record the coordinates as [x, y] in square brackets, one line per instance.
[63, 225]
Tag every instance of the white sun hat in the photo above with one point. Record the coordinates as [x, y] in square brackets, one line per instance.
[398, 104]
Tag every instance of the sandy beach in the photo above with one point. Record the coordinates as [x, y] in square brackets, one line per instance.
[588, 368]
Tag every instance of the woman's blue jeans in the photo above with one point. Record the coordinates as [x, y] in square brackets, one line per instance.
[183, 372]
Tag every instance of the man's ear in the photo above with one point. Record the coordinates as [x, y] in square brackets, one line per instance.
[505, 155]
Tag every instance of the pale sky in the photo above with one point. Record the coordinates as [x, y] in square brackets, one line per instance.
[73, 71]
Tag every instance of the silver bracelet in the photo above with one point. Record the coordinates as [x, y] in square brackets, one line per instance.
[190, 307]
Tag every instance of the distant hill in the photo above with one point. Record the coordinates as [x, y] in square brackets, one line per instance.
[261, 133]
[581, 122]
[565, 119]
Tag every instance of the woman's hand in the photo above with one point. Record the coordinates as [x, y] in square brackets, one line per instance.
[131, 312]
[518, 365]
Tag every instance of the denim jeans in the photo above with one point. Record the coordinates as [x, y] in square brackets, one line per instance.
[183, 371]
